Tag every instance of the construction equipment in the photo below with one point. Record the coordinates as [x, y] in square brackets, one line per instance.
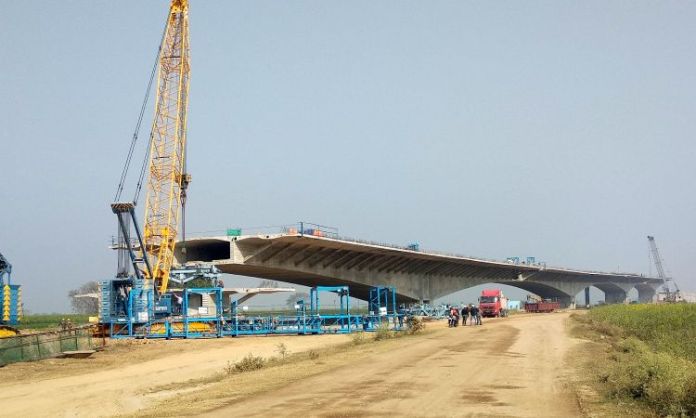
[10, 300]
[669, 291]
[203, 313]
[139, 293]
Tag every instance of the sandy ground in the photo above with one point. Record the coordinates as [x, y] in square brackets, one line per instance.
[117, 380]
[508, 367]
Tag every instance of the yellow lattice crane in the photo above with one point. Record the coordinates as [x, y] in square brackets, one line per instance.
[152, 255]
[167, 181]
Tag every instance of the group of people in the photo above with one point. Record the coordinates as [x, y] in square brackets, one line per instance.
[470, 312]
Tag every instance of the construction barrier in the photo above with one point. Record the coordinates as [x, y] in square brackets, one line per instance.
[45, 345]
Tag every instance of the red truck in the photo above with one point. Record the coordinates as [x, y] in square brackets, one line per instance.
[492, 303]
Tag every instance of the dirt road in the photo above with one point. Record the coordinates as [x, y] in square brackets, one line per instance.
[118, 380]
[508, 367]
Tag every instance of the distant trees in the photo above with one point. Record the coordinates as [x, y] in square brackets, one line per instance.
[87, 304]
[199, 282]
[268, 283]
[293, 298]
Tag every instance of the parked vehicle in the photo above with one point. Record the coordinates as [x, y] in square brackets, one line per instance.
[492, 303]
[540, 306]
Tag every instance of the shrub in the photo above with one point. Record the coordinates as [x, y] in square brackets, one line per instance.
[282, 349]
[690, 395]
[313, 355]
[382, 332]
[229, 368]
[250, 362]
[414, 325]
[358, 338]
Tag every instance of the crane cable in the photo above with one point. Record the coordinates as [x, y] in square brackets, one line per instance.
[136, 133]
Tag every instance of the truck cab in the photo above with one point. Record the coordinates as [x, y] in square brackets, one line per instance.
[492, 303]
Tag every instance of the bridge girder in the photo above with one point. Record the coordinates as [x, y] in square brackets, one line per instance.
[416, 275]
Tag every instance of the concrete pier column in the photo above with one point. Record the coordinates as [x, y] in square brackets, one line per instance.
[567, 302]
[615, 296]
[587, 297]
[645, 294]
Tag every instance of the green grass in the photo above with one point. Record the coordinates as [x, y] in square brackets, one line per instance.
[652, 358]
[46, 321]
[669, 328]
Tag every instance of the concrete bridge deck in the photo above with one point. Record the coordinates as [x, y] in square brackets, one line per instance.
[417, 275]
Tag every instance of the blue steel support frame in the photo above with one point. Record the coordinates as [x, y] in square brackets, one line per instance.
[384, 297]
[214, 320]
[343, 318]
[306, 320]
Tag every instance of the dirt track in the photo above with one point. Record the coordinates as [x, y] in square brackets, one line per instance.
[510, 367]
[118, 380]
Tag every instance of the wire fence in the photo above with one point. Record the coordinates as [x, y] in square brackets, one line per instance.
[47, 344]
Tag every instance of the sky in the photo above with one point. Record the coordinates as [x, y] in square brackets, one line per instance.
[556, 129]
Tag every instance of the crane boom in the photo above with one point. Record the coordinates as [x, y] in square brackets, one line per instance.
[670, 290]
[167, 181]
[656, 258]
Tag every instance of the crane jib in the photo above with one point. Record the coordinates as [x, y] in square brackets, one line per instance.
[150, 250]
[167, 148]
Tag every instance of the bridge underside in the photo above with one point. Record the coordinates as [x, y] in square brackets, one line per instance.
[312, 261]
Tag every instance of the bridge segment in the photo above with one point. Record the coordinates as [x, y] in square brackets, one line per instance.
[417, 275]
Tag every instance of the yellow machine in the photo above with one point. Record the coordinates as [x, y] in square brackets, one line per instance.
[167, 183]
[153, 255]
[10, 300]
[137, 298]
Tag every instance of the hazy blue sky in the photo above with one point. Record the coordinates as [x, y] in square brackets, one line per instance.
[562, 130]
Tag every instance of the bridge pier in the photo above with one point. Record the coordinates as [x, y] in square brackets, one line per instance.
[587, 297]
[567, 302]
[646, 293]
[615, 296]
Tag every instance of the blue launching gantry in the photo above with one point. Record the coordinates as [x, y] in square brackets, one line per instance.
[303, 322]
[383, 312]
[132, 311]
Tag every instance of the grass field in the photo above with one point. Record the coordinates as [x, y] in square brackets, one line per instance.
[46, 321]
[652, 355]
[669, 328]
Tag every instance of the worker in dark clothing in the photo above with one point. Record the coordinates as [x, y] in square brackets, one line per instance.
[475, 315]
[465, 314]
